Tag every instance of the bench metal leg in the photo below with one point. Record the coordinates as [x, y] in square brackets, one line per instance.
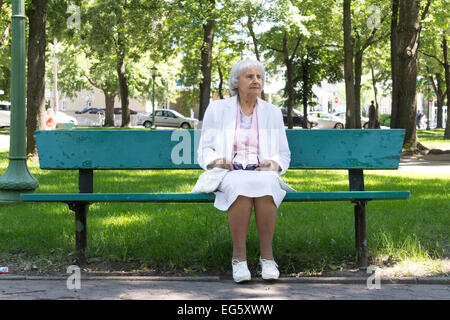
[360, 233]
[81, 210]
[86, 185]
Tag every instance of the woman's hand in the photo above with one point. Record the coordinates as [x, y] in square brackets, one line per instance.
[220, 163]
[268, 165]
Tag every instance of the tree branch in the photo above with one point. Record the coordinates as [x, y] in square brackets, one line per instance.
[432, 56]
[299, 39]
[370, 40]
[92, 82]
[431, 80]
[275, 49]
[425, 11]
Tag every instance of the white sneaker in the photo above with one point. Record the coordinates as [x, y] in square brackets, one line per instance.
[269, 269]
[240, 271]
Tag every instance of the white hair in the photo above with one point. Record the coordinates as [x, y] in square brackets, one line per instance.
[239, 68]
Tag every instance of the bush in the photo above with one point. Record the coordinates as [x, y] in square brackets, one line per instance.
[385, 120]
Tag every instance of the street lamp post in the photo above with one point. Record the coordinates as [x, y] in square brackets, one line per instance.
[154, 70]
[17, 179]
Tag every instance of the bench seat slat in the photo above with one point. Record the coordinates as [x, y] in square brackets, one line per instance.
[203, 197]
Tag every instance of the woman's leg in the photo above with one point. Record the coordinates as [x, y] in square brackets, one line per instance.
[265, 215]
[239, 219]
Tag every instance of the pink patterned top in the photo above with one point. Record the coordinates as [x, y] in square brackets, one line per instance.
[246, 139]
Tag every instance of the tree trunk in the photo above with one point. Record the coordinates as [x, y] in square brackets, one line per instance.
[408, 31]
[305, 92]
[255, 44]
[220, 80]
[37, 16]
[440, 98]
[290, 82]
[206, 64]
[375, 95]
[358, 75]
[124, 92]
[350, 95]
[109, 106]
[394, 59]
[447, 84]
[121, 70]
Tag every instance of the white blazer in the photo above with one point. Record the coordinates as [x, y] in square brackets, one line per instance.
[218, 131]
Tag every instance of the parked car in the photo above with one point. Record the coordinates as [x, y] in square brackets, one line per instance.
[84, 110]
[97, 111]
[364, 120]
[326, 120]
[297, 118]
[119, 111]
[5, 114]
[166, 118]
[64, 118]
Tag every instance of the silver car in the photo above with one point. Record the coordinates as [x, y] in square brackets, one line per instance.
[166, 118]
[326, 120]
[364, 120]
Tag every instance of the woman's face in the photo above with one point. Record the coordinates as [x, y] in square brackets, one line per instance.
[250, 82]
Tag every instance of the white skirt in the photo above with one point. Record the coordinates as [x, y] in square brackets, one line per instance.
[252, 184]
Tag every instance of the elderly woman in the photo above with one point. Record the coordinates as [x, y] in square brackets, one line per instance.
[246, 135]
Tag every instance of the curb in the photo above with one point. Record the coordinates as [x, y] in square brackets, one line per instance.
[304, 280]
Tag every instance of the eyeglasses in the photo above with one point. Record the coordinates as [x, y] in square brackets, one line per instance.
[238, 166]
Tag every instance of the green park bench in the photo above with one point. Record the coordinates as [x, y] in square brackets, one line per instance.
[89, 150]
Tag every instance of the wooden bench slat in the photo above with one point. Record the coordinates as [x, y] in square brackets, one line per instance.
[177, 149]
[203, 197]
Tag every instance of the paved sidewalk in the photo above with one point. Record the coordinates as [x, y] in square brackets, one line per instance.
[432, 163]
[214, 288]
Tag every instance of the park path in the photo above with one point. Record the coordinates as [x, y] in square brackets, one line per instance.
[223, 289]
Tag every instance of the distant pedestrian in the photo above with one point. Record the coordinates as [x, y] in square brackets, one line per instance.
[372, 116]
[419, 117]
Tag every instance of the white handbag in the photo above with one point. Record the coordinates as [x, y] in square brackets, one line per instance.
[209, 180]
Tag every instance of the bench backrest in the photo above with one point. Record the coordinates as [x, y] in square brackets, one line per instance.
[176, 149]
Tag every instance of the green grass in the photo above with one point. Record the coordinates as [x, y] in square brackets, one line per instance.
[433, 139]
[194, 238]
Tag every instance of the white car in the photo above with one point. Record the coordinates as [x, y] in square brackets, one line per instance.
[326, 120]
[166, 118]
[64, 118]
[5, 114]
[364, 120]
